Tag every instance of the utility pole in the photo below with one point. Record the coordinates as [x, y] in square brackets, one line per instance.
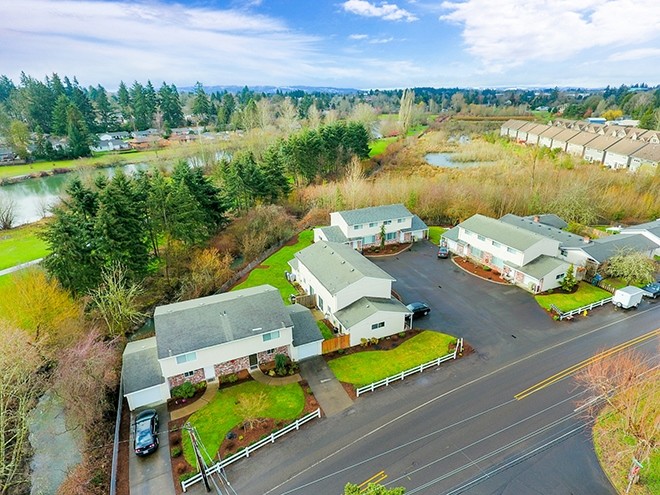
[198, 455]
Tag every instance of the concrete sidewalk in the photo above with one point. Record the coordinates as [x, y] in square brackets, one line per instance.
[261, 377]
[329, 393]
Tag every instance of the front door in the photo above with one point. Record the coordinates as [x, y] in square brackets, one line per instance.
[254, 363]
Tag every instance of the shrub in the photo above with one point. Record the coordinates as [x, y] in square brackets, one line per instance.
[373, 340]
[231, 378]
[271, 373]
[487, 268]
[363, 342]
[184, 391]
[402, 334]
[176, 452]
[200, 386]
[340, 351]
[280, 363]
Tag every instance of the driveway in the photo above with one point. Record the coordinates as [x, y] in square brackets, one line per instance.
[153, 473]
[465, 305]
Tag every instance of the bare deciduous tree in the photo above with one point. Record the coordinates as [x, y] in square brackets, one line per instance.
[406, 110]
[353, 182]
[634, 267]
[20, 386]
[251, 408]
[208, 271]
[7, 213]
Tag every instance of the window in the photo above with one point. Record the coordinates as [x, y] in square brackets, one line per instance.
[378, 325]
[391, 236]
[496, 244]
[511, 250]
[400, 220]
[560, 276]
[270, 351]
[320, 302]
[373, 224]
[481, 238]
[370, 239]
[186, 358]
[275, 334]
[188, 374]
[387, 222]
[357, 226]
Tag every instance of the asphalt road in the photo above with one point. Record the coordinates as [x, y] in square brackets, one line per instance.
[459, 428]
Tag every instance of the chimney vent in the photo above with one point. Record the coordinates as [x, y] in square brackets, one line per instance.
[537, 219]
[586, 239]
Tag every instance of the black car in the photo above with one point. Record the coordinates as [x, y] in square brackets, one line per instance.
[443, 252]
[652, 290]
[146, 432]
[418, 309]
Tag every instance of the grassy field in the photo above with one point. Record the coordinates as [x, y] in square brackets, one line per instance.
[21, 244]
[363, 368]
[216, 419]
[586, 294]
[435, 233]
[379, 146]
[325, 331]
[271, 271]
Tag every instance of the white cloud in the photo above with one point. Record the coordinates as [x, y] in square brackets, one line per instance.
[507, 33]
[386, 11]
[635, 54]
[380, 41]
[358, 36]
[113, 40]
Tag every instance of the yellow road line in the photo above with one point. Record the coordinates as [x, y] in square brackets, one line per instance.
[380, 475]
[576, 367]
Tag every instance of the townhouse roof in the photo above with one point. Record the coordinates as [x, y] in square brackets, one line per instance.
[566, 239]
[416, 225]
[514, 124]
[652, 227]
[542, 266]
[603, 142]
[549, 219]
[551, 132]
[333, 234]
[565, 135]
[502, 232]
[365, 307]
[604, 248]
[141, 368]
[208, 321]
[582, 138]
[305, 329]
[451, 234]
[626, 147]
[650, 152]
[374, 214]
[528, 126]
[539, 129]
[337, 266]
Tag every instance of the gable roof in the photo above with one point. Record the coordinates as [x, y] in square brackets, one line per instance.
[565, 135]
[652, 227]
[541, 266]
[539, 129]
[333, 233]
[305, 329]
[549, 219]
[602, 143]
[365, 307]
[336, 266]
[605, 247]
[528, 126]
[582, 138]
[650, 152]
[551, 132]
[565, 238]
[626, 147]
[208, 321]
[141, 368]
[502, 232]
[374, 214]
[514, 124]
[416, 225]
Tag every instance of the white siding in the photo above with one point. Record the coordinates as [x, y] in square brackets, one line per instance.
[549, 247]
[545, 141]
[365, 287]
[338, 220]
[394, 323]
[615, 160]
[148, 396]
[319, 236]
[487, 246]
[575, 149]
[593, 155]
[222, 353]
[532, 138]
[306, 351]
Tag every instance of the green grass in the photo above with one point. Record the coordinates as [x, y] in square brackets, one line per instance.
[5, 280]
[363, 368]
[275, 265]
[221, 415]
[379, 146]
[435, 233]
[586, 294]
[325, 331]
[21, 244]
[416, 129]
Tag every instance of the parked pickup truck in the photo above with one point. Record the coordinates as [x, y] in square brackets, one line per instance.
[652, 290]
[628, 297]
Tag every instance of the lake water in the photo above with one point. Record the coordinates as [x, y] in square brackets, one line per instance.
[444, 160]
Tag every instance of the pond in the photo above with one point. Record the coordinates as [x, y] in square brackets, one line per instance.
[444, 160]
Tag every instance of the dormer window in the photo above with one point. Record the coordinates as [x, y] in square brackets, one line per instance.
[357, 226]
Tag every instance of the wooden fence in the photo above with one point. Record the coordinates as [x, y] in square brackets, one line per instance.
[340, 342]
[309, 301]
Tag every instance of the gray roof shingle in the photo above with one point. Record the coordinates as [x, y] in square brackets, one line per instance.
[336, 266]
[550, 219]
[334, 234]
[565, 238]
[604, 248]
[199, 323]
[543, 265]
[502, 232]
[416, 225]
[141, 368]
[374, 214]
[367, 306]
[653, 227]
[305, 329]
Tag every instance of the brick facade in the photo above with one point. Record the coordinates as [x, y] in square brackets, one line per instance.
[177, 380]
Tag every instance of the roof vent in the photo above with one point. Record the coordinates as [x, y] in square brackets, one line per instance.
[343, 261]
[257, 329]
[352, 269]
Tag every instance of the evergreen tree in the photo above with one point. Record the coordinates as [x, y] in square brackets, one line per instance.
[82, 102]
[60, 121]
[105, 114]
[206, 194]
[6, 88]
[151, 99]
[170, 106]
[124, 101]
[226, 110]
[201, 107]
[77, 133]
[276, 184]
[140, 107]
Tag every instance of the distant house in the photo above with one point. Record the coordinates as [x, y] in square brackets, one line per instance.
[648, 156]
[146, 133]
[594, 151]
[575, 144]
[107, 136]
[110, 145]
[353, 293]
[650, 230]
[206, 338]
[7, 155]
[619, 154]
[363, 227]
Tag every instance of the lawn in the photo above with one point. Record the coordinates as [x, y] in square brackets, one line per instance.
[216, 419]
[586, 294]
[325, 331]
[271, 271]
[435, 233]
[21, 244]
[379, 146]
[363, 368]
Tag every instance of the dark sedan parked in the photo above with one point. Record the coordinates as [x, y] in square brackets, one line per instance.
[418, 309]
[652, 290]
[146, 432]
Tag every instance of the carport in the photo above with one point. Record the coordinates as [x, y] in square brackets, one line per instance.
[142, 377]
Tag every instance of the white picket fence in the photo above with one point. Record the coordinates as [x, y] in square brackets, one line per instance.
[418, 369]
[588, 307]
[251, 448]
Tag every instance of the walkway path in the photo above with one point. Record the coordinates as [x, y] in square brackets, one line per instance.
[15, 268]
[330, 394]
[260, 377]
[211, 390]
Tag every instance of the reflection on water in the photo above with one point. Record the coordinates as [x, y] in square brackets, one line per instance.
[444, 160]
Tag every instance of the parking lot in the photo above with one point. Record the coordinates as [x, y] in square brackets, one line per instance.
[493, 318]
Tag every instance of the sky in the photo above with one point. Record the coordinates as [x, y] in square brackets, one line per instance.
[363, 44]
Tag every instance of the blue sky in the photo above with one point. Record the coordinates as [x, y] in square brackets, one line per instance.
[346, 43]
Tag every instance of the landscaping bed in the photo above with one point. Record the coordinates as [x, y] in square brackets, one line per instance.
[481, 271]
[386, 250]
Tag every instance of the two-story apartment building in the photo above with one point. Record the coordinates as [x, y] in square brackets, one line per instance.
[213, 336]
[354, 294]
[363, 227]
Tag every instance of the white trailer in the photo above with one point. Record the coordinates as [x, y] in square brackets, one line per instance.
[628, 297]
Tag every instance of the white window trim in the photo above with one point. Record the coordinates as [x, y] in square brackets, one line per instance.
[186, 358]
